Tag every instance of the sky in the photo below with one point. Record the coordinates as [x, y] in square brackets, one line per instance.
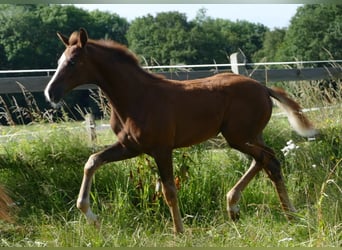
[270, 15]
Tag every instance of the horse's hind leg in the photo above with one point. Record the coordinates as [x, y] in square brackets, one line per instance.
[273, 170]
[234, 195]
[264, 158]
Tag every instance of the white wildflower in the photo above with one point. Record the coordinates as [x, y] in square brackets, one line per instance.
[285, 239]
[290, 146]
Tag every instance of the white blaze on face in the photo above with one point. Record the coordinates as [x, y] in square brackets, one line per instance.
[60, 66]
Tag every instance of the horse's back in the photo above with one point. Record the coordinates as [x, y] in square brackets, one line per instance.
[204, 107]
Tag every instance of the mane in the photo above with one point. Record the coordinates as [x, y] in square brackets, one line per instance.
[121, 52]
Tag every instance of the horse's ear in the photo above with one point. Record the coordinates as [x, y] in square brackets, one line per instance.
[83, 37]
[63, 38]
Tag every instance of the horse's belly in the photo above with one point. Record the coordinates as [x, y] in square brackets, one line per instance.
[195, 132]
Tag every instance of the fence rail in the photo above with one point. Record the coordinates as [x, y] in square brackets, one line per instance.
[238, 65]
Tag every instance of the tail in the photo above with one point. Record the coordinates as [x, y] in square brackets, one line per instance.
[296, 117]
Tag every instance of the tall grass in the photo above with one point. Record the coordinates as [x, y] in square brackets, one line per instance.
[43, 174]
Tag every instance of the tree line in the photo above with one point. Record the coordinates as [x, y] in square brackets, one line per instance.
[28, 35]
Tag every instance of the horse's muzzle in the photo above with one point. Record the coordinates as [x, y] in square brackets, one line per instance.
[53, 95]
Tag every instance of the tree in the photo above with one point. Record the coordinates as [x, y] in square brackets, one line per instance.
[108, 26]
[163, 39]
[169, 38]
[16, 34]
[28, 32]
[272, 42]
[28, 39]
[245, 36]
[216, 39]
[314, 33]
[208, 40]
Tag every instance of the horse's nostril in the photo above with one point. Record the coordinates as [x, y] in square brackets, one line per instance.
[52, 99]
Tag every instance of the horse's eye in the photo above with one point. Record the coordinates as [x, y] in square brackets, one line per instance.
[72, 62]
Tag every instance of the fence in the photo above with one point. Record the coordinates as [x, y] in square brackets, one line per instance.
[238, 65]
[34, 83]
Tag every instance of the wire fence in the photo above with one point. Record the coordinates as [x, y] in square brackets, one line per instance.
[191, 66]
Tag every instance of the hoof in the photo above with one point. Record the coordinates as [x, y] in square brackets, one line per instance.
[234, 213]
[291, 215]
[92, 218]
[97, 224]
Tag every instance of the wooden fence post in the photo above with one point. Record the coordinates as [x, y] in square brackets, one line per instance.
[236, 59]
[91, 127]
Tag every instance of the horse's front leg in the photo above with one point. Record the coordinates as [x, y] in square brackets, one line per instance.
[164, 162]
[116, 152]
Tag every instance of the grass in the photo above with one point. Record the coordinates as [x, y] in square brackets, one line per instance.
[43, 173]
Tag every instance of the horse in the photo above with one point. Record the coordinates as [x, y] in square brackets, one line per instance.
[153, 115]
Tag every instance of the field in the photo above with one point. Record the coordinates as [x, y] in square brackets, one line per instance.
[42, 173]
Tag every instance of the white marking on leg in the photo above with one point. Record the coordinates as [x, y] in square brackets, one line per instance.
[91, 217]
[83, 200]
[233, 208]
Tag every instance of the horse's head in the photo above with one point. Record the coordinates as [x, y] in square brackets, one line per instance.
[73, 67]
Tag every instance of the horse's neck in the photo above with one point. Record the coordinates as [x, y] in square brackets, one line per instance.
[124, 87]
[123, 81]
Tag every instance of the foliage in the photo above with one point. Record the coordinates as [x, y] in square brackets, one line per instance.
[271, 44]
[314, 33]
[27, 35]
[162, 39]
[105, 25]
[169, 38]
[28, 32]
[246, 36]
[208, 40]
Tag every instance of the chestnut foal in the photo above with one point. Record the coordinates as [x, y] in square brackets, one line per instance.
[153, 115]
